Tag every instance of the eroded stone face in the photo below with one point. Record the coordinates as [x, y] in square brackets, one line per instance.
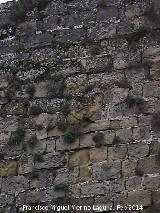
[8, 168]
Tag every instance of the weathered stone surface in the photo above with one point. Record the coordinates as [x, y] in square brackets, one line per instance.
[92, 189]
[98, 154]
[151, 182]
[86, 141]
[109, 136]
[9, 124]
[62, 145]
[84, 173]
[66, 175]
[151, 89]
[41, 89]
[128, 168]
[53, 194]
[149, 165]
[79, 158]
[41, 134]
[106, 170]
[55, 132]
[8, 168]
[138, 150]
[124, 134]
[96, 126]
[128, 122]
[45, 179]
[26, 164]
[119, 95]
[51, 160]
[31, 197]
[118, 152]
[134, 183]
[139, 197]
[76, 85]
[15, 185]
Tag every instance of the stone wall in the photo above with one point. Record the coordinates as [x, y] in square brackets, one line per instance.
[79, 105]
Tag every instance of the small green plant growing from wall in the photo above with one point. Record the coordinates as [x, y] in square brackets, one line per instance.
[18, 136]
[26, 103]
[62, 187]
[98, 138]
[3, 113]
[134, 101]
[9, 95]
[117, 140]
[34, 174]
[62, 126]
[38, 157]
[36, 110]
[32, 141]
[30, 90]
[66, 109]
[1, 156]
[139, 172]
[70, 136]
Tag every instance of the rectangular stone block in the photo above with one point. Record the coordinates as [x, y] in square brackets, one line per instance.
[80, 157]
[106, 170]
[8, 168]
[91, 189]
[149, 165]
[129, 167]
[98, 154]
[138, 150]
[51, 160]
[139, 197]
[117, 152]
[25, 164]
[12, 185]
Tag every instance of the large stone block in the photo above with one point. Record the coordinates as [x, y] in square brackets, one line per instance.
[98, 154]
[138, 150]
[31, 197]
[139, 197]
[134, 183]
[109, 136]
[61, 145]
[26, 164]
[129, 167]
[85, 173]
[106, 170]
[87, 141]
[41, 90]
[151, 89]
[66, 175]
[91, 189]
[117, 152]
[14, 185]
[149, 165]
[51, 160]
[8, 168]
[52, 194]
[45, 179]
[80, 157]
[124, 134]
[10, 123]
[151, 182]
